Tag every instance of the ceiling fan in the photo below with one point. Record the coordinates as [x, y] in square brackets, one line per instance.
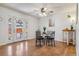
[44, 11]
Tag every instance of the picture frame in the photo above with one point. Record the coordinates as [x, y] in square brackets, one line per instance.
[51, 23]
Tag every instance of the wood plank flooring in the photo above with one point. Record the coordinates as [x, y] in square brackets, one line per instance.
[28, 48]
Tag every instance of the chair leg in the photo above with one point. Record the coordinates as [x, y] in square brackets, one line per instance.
[51, 42]
[43, 41]
[40, 41]
[36, 42]
[54, 42]
[46, 42]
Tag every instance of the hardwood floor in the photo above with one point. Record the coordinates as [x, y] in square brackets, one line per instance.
[28, 48]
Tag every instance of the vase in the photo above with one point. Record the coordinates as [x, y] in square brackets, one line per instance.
[44, 28]
[71, 27]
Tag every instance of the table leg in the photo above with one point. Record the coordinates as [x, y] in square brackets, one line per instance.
[67, 38]
[63, 36]
[73, 38]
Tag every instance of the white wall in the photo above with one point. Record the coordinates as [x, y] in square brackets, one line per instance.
[6, 14]
[61, 20]
[77, 35]
[77, 39]
[59, 16]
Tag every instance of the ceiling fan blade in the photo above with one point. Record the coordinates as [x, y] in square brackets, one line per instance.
[51, 11]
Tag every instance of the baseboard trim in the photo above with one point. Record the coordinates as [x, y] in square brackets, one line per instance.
[4, 44]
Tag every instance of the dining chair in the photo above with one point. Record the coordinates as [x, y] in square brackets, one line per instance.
[50, 39]
[39, 38]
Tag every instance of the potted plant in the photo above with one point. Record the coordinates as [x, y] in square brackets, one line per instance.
[44, 28]
[71, 27]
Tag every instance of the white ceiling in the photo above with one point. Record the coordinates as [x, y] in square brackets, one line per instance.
[31, 8]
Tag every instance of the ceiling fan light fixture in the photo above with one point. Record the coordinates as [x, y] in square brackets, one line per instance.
[44, 14]
[45, 9]
[41, 14]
